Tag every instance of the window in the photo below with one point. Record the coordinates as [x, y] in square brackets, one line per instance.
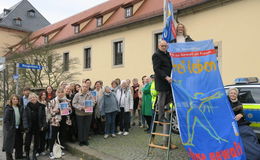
[46, 39]
[249, 95]
[66, 61]
[157, 39]
[118, 53]
[76, 29]
[31, 13]
[49, 63]
[18, 21]
[99, 21]
[129, 11]
[6, 11]
[87, 58]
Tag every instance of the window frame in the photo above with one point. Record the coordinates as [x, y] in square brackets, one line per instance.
[66, 66]
[156, 40]
[17, 22]
[76, 29]
[46, 39]
[130, 9]
[99, 21]
[114, 49]
[84, 58]
[29, 13]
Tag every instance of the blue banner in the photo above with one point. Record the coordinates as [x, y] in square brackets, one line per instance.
[206, 121]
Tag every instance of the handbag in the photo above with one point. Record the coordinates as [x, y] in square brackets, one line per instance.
[57, 152]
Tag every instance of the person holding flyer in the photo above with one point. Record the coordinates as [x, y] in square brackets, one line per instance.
[83, 103]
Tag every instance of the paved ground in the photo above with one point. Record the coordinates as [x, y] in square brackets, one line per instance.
[131, 147]
[67, 156]
[134, 146]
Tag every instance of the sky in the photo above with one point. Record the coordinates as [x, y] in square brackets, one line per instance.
[55, 10]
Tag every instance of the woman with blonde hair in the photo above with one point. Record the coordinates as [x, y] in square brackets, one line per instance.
[12, 128]
[34, 121]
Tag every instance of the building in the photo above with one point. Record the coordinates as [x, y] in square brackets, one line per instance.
[116, 39]
[18, 22]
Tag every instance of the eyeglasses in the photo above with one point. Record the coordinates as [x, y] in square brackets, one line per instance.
[163, 45]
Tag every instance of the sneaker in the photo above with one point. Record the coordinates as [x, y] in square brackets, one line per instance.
[51, 156]
[43, 154]
[62, 153]
[113, 135]
[120, 133]
[106, 136]
[126, 133]
[37, 154]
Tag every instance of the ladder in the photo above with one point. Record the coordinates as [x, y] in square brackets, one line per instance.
[169, 116]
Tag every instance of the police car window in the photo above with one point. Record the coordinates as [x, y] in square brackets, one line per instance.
[249, 95]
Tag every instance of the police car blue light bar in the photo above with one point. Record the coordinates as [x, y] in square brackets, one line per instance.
[246, 80]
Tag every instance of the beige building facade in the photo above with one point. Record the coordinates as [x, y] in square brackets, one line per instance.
[9, 37]
[232, 24]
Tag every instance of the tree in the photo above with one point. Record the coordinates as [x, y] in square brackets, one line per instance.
[52, 73]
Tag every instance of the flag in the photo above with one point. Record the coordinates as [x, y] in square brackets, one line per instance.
[207, 125]
[169, 31]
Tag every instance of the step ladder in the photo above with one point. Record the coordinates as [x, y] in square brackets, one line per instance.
[151, 145]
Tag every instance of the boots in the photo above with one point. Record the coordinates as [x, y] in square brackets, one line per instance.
[34, 156]
[9, 156]
[28, 155]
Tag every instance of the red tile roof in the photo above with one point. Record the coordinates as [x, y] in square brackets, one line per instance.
[149, 8]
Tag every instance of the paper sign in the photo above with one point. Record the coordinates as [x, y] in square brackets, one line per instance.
[88, 106]
[64, 108]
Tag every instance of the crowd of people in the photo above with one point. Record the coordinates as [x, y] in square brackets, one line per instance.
[40, 117]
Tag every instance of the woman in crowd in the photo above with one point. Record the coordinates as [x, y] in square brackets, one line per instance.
[77, 88]
[43, 133]
[83, 118]
[109, 108]
[12, 128]
[56, 117]
[147, 103]
[98, 121]
[125, 101]
[34, 121]
[249, 138]
[50, 93]
[140, 94]
[135, 88]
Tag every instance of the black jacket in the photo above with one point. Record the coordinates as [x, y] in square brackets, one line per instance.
[9, 128]
[187, 39]
[237, 108]
[162, 67]
[27, 116]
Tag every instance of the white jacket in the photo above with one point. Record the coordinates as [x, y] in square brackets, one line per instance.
[125, 99]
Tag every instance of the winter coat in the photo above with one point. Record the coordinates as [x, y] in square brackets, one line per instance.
[147, 100]
[109, 103]
[162, 67]
[128, 99]
[237, 108]
[28, 113]
[9, 128]
[79, 100]
[187, 39]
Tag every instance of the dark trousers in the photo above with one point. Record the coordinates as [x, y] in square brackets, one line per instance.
[18, 146]
[42, 141]
[53, 136]
[28, 140]
[83, 127]
[110, 123]
[164, 98]
[149, 121]
[9, 156]
[124, 120]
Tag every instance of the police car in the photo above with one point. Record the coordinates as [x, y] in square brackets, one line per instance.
[249, 96]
